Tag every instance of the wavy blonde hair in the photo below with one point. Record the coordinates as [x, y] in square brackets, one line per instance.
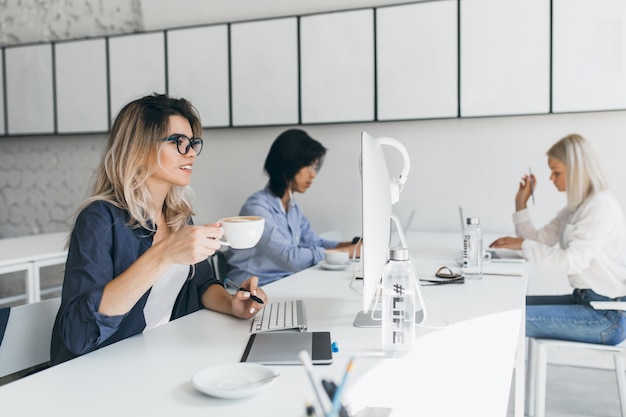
[584, 174]
[132, 156]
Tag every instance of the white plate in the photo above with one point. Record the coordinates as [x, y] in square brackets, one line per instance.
[333, 267]
[234, 380]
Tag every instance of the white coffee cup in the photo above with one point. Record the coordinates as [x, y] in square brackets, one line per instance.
[242, 232]
[335, 257]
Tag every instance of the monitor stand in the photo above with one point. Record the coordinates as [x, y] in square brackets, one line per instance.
[365, 319]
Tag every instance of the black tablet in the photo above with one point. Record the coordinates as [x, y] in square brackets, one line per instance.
[283, 348]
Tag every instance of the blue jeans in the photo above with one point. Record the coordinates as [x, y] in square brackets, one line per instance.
[570, 317]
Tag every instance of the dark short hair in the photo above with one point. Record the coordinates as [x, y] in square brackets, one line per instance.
[291, 151]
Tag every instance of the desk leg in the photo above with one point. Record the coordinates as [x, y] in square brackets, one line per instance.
[520, 368]
[32, 284]
[27, 267]
[37, 265]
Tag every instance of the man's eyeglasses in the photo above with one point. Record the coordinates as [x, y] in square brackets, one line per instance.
[183, 143]
[315, 167]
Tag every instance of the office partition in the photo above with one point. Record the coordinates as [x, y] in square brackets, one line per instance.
[505, 57]
[589, 53]
[417, 61]
[265, 72]
[337, 67]
[3, 130]
[29, 89]
[136, 67]
[81, 86]
[198, 70]
[411, 61]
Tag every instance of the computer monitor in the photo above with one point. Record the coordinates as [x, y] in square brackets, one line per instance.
[379, 192]
[376, 222]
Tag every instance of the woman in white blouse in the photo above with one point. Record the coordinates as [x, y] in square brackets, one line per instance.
[591, 235]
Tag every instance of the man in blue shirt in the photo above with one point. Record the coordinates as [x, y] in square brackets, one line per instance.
[288, 244]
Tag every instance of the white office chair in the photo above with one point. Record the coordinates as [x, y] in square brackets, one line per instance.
[26, 341]
[537, 366]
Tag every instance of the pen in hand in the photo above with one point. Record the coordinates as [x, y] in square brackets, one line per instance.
[532, 185]
[254, 297]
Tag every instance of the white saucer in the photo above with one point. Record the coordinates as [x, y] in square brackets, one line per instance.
[234, 380]
[333, 267]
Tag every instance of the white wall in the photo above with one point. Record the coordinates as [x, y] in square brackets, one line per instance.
[473, 162]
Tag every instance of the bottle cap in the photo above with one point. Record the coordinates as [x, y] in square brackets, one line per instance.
[398, 254]
[473, 220]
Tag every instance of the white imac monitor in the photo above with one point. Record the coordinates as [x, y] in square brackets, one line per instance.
[376, 212]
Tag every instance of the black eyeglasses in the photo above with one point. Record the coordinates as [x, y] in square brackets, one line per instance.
[183, 143]
[315, 167]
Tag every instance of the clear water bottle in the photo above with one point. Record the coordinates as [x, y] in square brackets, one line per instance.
[472, 249]
[399, 298]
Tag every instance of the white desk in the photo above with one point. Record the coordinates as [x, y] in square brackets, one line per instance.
[30, 254]
[150, 374]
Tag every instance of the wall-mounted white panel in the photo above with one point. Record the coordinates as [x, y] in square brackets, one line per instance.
[337, 67]
[505, 57]
[265, 72]
[30, 103]
[81, 86]
[589, 55]
[2, 121]
[417, 60]
[197, 69]
[136, 68]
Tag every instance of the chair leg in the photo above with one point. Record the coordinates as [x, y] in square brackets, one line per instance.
[621, 382]
[530, 376]
[541, 359]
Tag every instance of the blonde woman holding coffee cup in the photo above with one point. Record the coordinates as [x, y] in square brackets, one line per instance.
[288, 243]
[136, 260]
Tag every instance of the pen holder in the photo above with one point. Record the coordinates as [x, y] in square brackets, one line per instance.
[330, 387]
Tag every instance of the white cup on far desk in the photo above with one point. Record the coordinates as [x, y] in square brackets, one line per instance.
[336, 257]
[242, 232]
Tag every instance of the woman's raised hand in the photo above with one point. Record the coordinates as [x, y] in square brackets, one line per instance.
[525, 190]
[193, 244]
